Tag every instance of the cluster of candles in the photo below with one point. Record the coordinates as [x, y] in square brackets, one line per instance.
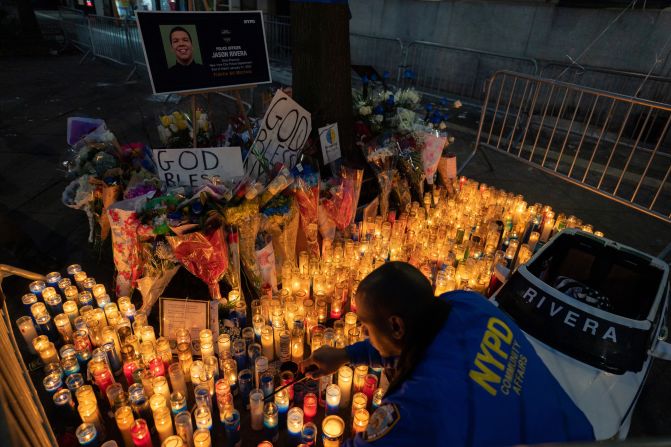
[457, 240]
[111, 360]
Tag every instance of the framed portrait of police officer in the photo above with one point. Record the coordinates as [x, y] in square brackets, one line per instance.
[198, 51]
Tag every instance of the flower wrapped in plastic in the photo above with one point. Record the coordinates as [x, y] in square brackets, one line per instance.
[342, 196]
[306, 191]
[432, 149]
[79, 195]
[281, 221]
[159, 267]
[410, 164]
[382, 160]
[175, 130]
[245, 217]
[265, 259]
[203, 255]
[127, 233]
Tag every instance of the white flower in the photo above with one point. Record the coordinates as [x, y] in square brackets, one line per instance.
[173, 128]
[451, 139]
[377, 118]
[457, 104]
[365, 110]
[442, 125]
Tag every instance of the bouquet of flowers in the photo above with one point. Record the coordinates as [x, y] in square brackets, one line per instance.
[382, 160]
[175, 130]
[281, 220]
[159, 267]
[306, 190]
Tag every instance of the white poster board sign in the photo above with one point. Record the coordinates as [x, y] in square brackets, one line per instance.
[330, 143]
[284, 130]
[192, 167]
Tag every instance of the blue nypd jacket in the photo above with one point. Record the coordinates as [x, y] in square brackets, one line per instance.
[480, 384]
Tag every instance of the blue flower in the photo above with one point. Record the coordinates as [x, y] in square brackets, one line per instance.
[390, 100]
[443, 101]
[429, 107]
[378, 110]
[435, 119]
[408, 74]
[386, 74]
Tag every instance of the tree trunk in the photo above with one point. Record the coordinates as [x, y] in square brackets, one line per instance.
[322, 82]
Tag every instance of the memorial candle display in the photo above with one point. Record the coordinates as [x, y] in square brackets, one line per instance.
[332, 398]
[310, 404]
[333, 428]
[28, 331]
[139, 432]
[360, 420]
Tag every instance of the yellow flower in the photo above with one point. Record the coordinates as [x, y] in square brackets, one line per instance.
[205, 125]
[165, 120]
[177, 115]
[181, 124]
[197, 115]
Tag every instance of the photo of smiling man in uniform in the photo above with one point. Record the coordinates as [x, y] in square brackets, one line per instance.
[186, 71]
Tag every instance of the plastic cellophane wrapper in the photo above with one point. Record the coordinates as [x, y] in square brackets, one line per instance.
[432, 149]
[245, 217]
[343, 197]
[78, 195]
[281, 222]
[383, 161]
[127, 233]
[159, 267]
[204, 255]
[306, 190]
[109, 195]
[233, 272]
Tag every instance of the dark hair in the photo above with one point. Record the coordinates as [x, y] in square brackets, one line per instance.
[179, 28]
[398, 288]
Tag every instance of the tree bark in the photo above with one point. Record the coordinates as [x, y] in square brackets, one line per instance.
[322, 81]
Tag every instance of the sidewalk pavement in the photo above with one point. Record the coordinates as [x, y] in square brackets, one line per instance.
[39, 233]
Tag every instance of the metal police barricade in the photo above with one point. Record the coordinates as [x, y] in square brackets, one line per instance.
[108, 38]
[135, 53]
[611, 144]
[382, 53]
[441, 69]
[278, 38]
[595, 312]
[76, 30]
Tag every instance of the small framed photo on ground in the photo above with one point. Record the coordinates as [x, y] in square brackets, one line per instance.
[177, 313]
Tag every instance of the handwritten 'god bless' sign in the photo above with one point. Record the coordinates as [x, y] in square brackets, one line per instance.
[284, 130]
[192, 167]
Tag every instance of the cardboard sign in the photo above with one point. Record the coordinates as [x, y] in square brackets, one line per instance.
[330, 142]
[193, 167]
[193, 315]
[284, 130]
[192, 51]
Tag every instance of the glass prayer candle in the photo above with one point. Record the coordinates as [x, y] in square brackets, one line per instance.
[173, 441]
[202, 396]
[177, 378]
[271, 421]
[178, 402]
[28, 331]
[310, 404]
[38, 309]
[28, 300]
[85, 394]
[360, 420]
[89, 412]
[345, 383]
[73, 269]
[267, 342]
[53, 299]
[98, 290]
[112, 392]
[224, 346]
[248, 336]
[196, 371]
[71, 294]
[203, 417]
[202, 438]
[49, 354]
[245, 382]
[369, 386]
[229, 369]
[102, 300]
[256, 409]
[52, 279]
[239, 350]
[287, 377]
[139, 432]
[185, 358]
[258, 322]
[377, 399]
[184, 427]
[124, 420]
[148, 335]
[87, 284]
[61, 285]
[74, 382]
[267, 382]
[309, 434]
[70, 366]
[163, 351]
[156, 401]
[282, 401]
[206, 350]
[359, 402]
[294, 423]
[232, 428]
[139, 400]
[160, 386]
[65, 406]
[112, 357]
[52, 383]
[360, 372]
[130, 312]
[36, 288]
[284, 346]
[156, 366]
[85, 299]
[130, 363]
[297, 345]
[87, 435]
[103, 378]
[333, 428]
[332, 398]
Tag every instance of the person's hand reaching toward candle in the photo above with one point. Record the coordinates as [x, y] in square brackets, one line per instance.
[324, 361]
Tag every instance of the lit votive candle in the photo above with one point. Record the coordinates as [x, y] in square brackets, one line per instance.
[369, 385]
[309, 434]
[345, 383]
[310, 404]
[184, 427]
[294, 423]
[360, 372]
[71, 294]
[377, 399]
[36, 287]
[203, 417]
[28, 331]
[173, 441]
[224, 346]
[64, 327]
[360, 420]
[177, 402]
[89, 412]
[256, 409]
[49, 354]
[232, 428]
[271, 421]
[282, 402]
[333, 428]
[245, 384]
[53, 299]
[163, 422]
[332, 398]
[87, 435]
[98, 290]
[139, 431]
[160, 386]
[124, 420]
[177, 378]
[156, 401]
[71, 310]
[202, 438]
[52, 383]
[28, 300]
